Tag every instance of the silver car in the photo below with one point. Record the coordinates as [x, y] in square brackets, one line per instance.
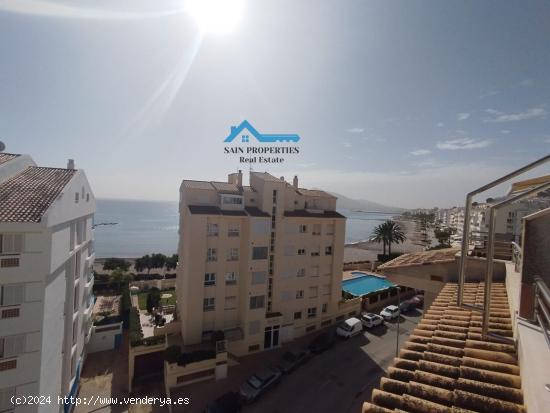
[258, 383]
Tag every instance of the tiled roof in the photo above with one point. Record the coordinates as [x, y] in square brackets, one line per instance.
[197, 184]
[5, 157]
[266, 176]
[226, 188]
[26, 196]
[302, 213]
[314, 192]
[422, 258]
[446, 366]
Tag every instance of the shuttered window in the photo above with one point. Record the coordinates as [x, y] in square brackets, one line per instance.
[11, 243]
[12, 346]
[12, 294]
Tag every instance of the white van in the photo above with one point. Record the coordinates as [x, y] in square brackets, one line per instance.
[349, 328]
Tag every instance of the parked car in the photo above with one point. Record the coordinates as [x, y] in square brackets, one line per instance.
[259, 383]
[349, 328]
[390, 312]
[291, 360]
[370, 320]
[322, 342]
[418, 299]
[406, 306]
[228, 403]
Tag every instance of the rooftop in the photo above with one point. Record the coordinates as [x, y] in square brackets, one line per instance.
[446, 365]
[5, 157]
[107, 304]
[422, 258]
[265, 176]
[314, 193]
[26, 196]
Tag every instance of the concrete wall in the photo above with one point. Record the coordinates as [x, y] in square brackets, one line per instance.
[103, 337]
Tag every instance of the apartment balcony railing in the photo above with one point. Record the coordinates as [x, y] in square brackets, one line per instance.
[542, 307]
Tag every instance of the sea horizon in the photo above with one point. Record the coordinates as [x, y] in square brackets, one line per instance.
[151, 226]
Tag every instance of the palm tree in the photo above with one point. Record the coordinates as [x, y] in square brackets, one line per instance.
[393, 233]
[388, 233]
[378, 236]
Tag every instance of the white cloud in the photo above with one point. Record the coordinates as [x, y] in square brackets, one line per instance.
[532, 113]
[505, 131]
[463, 143]
[463, 116]
[440, 125]
[420, 152]
[355, 130]
[347, 145]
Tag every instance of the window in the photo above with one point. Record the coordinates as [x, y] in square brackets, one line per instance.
[212, 255]
[299, 294]
[315, 251]
[10, 313]
[330, 229]
[328, 250]
[254, 327]
[302, 229]
[232, 200]
[298, 315]
[313, 292]
[233, 230]
[209, 279]
[259, 253]
[9, 262]
[212, 229]
[314, 271]
[230, 278]
[258, 277]
[209, 304]
[76, 197]
[312, 312]
[11, 243]
[324, 308]
[301, 272]
[75, 298]
[12, 294]
[316, 229]
[230, 303]
[233, 254]
[257, 301]
[12, 346]
[301, 251]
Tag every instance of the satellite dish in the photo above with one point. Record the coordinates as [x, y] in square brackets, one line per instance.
[2, 146]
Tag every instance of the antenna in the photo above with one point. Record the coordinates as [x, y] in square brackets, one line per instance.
[2, 146]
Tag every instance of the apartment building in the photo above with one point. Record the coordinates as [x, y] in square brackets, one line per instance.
[46, 255]
[261, 262]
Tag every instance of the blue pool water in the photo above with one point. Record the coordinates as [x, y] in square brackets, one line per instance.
[364, 283]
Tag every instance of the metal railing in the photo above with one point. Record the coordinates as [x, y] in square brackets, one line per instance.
[486, 308]
[542, 306]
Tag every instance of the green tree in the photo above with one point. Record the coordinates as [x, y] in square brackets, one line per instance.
[112, 264]
[119, 277]
[172, 262]
[158, 260]
[389, 232]
[443, 236]
[153, 299]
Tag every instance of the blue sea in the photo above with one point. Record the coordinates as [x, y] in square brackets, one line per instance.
[144, 227]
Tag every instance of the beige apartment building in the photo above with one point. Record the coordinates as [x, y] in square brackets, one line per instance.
[261, 262]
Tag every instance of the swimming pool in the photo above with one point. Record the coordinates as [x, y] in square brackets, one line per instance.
[364, 283]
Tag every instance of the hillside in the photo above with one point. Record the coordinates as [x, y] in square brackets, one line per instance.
[363, 205]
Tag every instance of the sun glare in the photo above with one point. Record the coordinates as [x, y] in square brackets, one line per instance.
[217, 16]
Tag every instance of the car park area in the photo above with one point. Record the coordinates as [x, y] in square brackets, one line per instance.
[337, 379]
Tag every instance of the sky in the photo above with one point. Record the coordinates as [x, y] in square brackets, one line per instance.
[406, 103]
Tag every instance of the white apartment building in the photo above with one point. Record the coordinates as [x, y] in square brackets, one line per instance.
[261, 262]
[46, 255]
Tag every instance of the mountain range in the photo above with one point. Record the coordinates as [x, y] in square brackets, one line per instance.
[363, 205]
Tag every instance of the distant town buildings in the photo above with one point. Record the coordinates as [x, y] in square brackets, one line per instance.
[263, 262]
[46, 254]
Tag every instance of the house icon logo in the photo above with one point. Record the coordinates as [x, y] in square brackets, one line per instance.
[245, 132]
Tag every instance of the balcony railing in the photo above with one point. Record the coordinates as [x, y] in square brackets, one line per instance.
[542, 307]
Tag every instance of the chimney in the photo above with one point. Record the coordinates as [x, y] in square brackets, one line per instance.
[240, 178]
[70, 164]
[282, 178]
[236, 178]
[295, 182]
